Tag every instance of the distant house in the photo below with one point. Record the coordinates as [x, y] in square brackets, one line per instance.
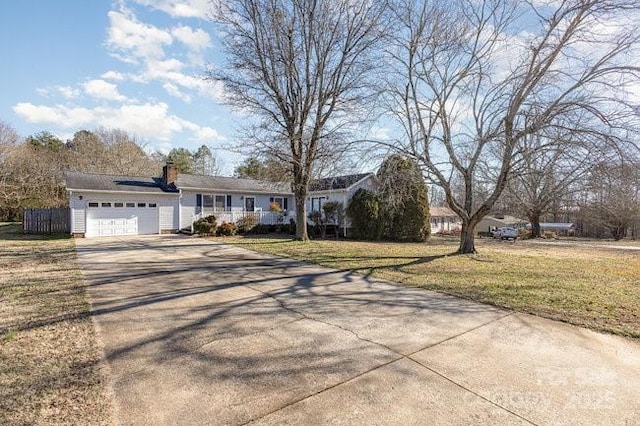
[107, 205]
[444, 220]
[489, 223]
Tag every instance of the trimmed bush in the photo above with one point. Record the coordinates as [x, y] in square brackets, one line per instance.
[203, 226]
[247, 224]
[227, 229]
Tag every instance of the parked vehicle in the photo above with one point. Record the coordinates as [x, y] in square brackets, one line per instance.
[506, 233]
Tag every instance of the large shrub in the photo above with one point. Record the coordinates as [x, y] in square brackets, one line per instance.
[247, 224]
[364, 212]
[403, 196]
[205, 225]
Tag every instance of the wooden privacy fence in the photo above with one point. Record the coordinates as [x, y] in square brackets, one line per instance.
[46, 221]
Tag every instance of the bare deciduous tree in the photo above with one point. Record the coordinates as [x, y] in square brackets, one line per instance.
[473, 78]
[31, 173]
[549, 169]
[303, 67]
[124, 156]
[613, 200]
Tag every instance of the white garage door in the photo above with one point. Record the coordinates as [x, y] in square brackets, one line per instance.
[109, 218]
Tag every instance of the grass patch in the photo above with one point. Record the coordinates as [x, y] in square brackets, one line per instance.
[592, 287]
[50, 371]
[12, 231]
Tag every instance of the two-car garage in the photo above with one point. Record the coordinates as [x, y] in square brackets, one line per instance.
[113, 218]
[108, 205]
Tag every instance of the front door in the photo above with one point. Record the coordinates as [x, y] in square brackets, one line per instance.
[249, 204]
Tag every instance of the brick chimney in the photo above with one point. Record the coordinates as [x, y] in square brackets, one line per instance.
[170, 173]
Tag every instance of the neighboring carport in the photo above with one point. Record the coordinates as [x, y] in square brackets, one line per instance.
[202, 333]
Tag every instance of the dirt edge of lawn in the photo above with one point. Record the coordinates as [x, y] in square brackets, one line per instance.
[52, 368]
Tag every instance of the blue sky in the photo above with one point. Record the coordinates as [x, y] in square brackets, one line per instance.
[131, 64]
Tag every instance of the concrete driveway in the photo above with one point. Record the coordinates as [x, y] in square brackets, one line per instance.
[196, 332]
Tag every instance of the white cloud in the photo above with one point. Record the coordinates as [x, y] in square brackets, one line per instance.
[179, 8]
[59, 114]
[208, 134]
[101, 89]
[149, 48]
[160, 67]
[150, 120]
[174, 91]
[113, 75]
[136, 40]
[194, 39]
[67, 92]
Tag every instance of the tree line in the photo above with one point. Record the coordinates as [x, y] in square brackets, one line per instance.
[32, 168]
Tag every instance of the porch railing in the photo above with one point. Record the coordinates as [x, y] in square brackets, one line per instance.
[262, 217]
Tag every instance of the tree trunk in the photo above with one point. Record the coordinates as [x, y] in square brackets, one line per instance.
[534, 219]
[619, 231]
[467, 239]
[301, 218]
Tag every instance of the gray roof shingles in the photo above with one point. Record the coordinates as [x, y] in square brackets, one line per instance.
[96, 182]
[231, 184]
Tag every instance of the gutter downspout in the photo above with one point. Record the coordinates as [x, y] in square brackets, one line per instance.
[179, 209]
[71, 210]
[344, 221]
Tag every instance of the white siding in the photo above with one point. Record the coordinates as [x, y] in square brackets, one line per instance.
[168, 217]
[77, 213]
[167, 205]
[187, 208]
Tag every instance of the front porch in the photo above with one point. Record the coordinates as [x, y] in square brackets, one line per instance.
[262, 217]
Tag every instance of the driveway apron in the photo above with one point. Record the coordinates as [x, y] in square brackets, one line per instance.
[197, 332]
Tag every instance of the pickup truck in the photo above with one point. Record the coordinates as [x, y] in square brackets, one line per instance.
[506, 233]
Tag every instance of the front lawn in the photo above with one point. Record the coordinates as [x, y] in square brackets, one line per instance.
[50, 370]
[597, 288]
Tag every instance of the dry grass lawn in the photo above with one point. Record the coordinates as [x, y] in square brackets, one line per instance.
[50, 371]
[590, 286]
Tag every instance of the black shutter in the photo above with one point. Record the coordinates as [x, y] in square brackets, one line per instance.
[198, 200]
[229, 202]
[285, 203]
